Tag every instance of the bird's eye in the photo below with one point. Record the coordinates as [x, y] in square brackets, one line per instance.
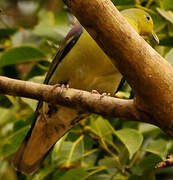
[147, 17]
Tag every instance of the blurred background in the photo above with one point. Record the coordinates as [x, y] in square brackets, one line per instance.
[98, 148]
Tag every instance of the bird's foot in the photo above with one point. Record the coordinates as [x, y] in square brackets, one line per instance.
[94, 91]
[62, 86]
[104, 95]
[101, 95]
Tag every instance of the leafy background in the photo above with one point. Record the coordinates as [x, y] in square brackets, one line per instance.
[99, 148]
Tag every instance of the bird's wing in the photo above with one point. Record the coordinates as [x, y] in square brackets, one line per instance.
[47, 122]
[66, 45]
[69, 41]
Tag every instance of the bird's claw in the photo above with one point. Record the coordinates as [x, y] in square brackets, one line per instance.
[62, 86]
[94, 91]
[104, 94]
[101, 95]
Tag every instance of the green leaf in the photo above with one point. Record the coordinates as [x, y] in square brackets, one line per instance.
[150, 175]
[158, 147]
[54, 33]
[25, 37]
[7, 115]
[49, 28]
[108, 162]
[4, 33]
[21, 54]
[4, 101]
[167, 173]
[43, 173]
[101, 127]
[74, 174]
[168, 4]
[167, 41]
[147, 164]
[10, 144]
[146, 128]
[169, 57]
[37, 70]
[168, 15]
[122, 2]
[131, 138]
[37, 79]
[90, 158]
[31, 103]
[68, 152]
[7, 171]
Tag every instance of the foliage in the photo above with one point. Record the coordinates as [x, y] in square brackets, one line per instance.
[99, 148]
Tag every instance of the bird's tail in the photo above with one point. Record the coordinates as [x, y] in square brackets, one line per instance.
[50, 125]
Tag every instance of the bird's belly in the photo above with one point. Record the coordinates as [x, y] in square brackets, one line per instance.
[87, 67]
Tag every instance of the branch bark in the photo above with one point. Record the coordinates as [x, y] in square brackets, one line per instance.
[82, 100]
[149, 75]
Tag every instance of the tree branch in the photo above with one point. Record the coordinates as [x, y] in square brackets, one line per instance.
[149, 75]
[146, 71]
[85, 101]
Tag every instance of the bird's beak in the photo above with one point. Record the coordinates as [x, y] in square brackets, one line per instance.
[155, 37]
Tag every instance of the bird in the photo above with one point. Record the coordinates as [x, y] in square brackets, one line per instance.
[81, 64]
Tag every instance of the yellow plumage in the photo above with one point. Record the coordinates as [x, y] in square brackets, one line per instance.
[87, 67]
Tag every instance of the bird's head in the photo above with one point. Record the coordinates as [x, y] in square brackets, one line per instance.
[141, 21]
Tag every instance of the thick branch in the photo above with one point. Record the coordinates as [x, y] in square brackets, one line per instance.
[82, 100]
[149, 75]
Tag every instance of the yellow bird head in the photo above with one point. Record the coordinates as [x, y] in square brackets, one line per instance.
[141, 22]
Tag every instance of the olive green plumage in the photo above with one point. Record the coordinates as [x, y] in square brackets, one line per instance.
[82, 64]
